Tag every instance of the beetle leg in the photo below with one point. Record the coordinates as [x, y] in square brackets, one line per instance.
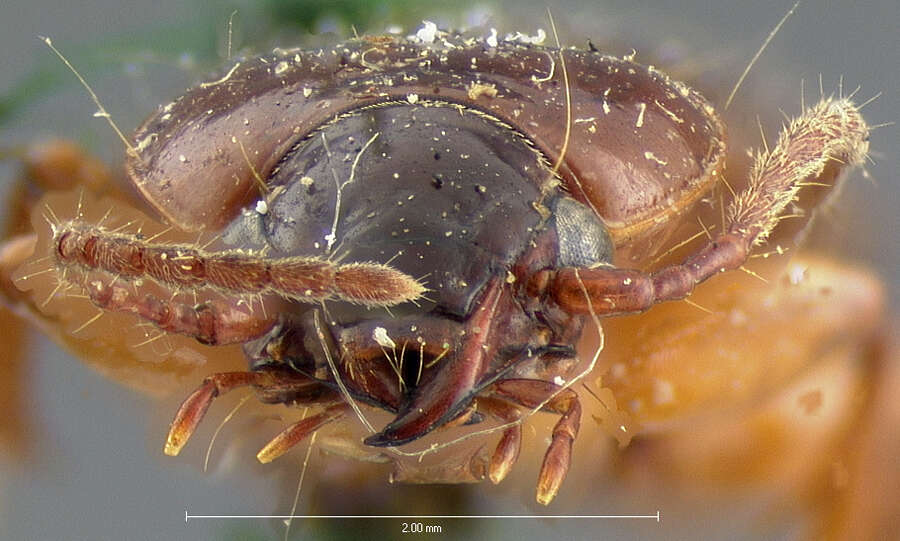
[507, 451]
[832, 132]
[55, 164]
[274, 385]
[59, 164]
[532, 393]
[298, 431]
[13, 253]
[194, 408]
[212, 322]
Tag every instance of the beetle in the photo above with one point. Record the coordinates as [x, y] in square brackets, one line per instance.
[433, 237]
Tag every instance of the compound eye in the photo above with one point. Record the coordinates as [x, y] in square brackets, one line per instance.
[583, 239]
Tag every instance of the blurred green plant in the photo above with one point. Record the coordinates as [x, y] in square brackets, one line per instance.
[203, 36]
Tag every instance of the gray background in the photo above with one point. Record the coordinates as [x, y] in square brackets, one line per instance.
[96, 472]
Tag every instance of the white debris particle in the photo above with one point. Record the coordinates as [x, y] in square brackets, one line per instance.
[640, 119]
[492, 39]
[306, 181]
[262, 207]
[663, 392]
[427, 33]
[412, 98]
[281, 67]
[381, 337]
[537, 39]
[669, 113]
[559, 381]
[307, 91]
[182, 158]
[145, 142]
[477, 89]
[652, 157]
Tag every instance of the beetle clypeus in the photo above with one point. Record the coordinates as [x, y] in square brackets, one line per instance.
[454, 288]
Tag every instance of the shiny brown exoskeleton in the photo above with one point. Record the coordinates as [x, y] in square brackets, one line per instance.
[437, 221]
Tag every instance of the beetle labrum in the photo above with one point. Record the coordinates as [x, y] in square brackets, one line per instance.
[432, 223]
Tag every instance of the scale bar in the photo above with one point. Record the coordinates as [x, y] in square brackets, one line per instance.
[285, 517]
